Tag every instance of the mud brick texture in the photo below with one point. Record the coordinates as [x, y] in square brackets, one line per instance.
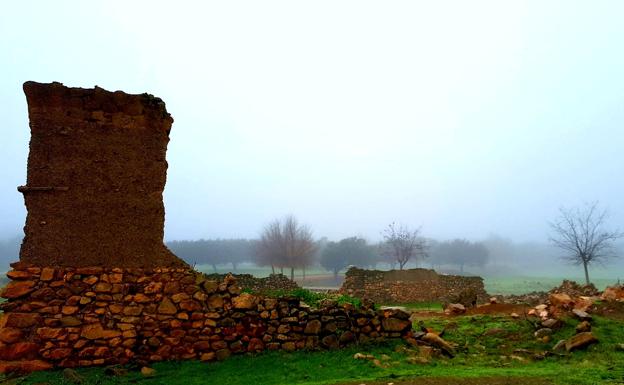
[96, 174]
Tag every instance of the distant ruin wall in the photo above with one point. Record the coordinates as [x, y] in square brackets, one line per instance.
[68, 317]
[413, 285]
[266, 285]
[96, 173]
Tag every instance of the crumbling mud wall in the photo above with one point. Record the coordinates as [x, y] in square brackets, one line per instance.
[413, 285]
[96, 173]
[68, 317]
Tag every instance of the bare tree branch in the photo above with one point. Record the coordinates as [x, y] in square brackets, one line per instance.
[580, 234]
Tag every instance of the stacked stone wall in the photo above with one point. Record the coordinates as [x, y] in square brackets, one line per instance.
[264, 285]
[413, 285]
[70, 317]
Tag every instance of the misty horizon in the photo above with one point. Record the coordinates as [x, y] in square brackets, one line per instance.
[470, 126]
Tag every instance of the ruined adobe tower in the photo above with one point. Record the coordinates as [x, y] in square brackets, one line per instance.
[96, 173]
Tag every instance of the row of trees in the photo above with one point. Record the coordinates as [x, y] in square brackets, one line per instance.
[287, 244]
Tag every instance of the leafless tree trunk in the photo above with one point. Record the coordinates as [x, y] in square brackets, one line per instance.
[403, 244]
[581, 235]
[286, 243]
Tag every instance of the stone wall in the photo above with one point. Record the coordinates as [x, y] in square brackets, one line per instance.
[68, 317]
[265, 285]
[413, 285]
[96, 174]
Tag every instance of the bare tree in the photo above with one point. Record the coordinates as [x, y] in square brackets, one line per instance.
[581, 235]
[286, 243]
[403, 243]
[269, 250]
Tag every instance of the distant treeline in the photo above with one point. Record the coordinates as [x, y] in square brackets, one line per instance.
[334, 256]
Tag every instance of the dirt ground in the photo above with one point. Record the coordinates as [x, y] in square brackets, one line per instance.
[461, 381]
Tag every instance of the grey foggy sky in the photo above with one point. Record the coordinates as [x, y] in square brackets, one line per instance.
[467, 118]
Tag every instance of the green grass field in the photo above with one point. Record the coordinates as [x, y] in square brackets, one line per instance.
[493, 284]
[480, 355]
[522, 285]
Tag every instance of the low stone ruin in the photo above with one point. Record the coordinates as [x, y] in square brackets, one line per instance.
[69, 317]
[413, 285]
[266, 285]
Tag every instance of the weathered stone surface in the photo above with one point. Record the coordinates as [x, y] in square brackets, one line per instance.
[98, 327]
[23, 367]
[245, 301]
[438, 342]
[19, 350]
[167, 307]
[313, 327]
[22, 320]
[18, 274]
[561, 300]
[580, 340]
[96, 332]
[10, 335]
[47, 274]
[455, 308]
[16, 289]
[613, 293]
[101, 153]
[413, 285]
[583, 327]
[395, 325]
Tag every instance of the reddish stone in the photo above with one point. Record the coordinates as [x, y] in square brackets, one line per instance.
[141, 298]
[91, 280]
[18, 289]
[96, 332]
[190, 306]
[115, 278]
[19, 350]
[18, 274]
[171, 287]
[22, 320]
[101, 351]
[50, 333]
[24, 367]
[47, 274]
[167, 307]
[69, 310]
[59, 354]
[10, 335]
[153, 288]
[103, 287]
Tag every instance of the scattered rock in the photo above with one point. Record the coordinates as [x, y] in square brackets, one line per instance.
[551, 323]
[613, 293]
[583, 327]
[438, 342]
[148, 372]
[559, 346]
[580, 340]
[455, 308]
[543, 332]
[582, 315]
